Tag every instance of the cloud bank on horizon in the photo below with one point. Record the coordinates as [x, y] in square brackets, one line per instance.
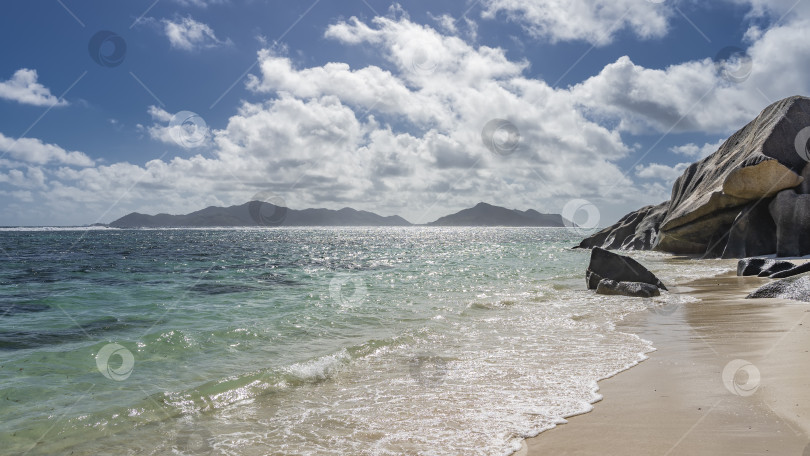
[382, 107]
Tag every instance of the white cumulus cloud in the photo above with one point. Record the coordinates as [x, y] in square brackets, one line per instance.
[190, 35]
[405, 137]
[594, 21]
[695, 96]
[184, 129]
[33, 150]
[23, 88]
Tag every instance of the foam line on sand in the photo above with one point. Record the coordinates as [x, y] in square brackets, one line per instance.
[730, 376]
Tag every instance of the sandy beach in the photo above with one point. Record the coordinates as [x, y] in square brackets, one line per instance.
[678, 403]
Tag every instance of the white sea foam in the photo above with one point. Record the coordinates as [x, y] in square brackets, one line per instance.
[320, 368]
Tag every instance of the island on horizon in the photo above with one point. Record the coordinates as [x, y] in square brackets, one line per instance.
[261, 213]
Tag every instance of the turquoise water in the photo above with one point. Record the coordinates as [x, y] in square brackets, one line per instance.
[302, 341]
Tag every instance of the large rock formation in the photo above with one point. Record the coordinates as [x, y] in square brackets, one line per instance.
[717, 204]
[791, 212]
[620, 268]
[762, 180]
[635, 231]
[752, 233]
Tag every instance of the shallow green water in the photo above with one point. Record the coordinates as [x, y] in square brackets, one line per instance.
[300, 341]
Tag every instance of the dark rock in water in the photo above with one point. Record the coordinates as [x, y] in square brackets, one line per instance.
[632, 289]
[635, 231]
[776, 267]
[800, 269]
[753, 266]
[608, 265]
[752, 233]
[791, 212]
[797, 288]
[592, 279]
[755, 163]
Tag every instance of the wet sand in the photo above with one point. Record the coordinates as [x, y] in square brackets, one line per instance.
[677, 402]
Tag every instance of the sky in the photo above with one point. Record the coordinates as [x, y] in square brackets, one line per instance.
[589, 108]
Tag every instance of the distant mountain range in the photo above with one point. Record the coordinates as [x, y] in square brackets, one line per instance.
[259, 213]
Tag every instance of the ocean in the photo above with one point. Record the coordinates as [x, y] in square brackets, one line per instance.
[325, 341]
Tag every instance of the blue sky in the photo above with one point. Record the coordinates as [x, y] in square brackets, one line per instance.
[377, 105]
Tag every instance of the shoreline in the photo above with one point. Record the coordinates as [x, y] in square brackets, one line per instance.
[677, 401]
